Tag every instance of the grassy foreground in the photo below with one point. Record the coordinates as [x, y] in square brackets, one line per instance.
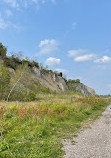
[34, 129]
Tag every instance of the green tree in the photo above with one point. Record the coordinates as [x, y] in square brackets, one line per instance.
[4, 82]
[18, 75]
[3, 50]
[18, 91]
[78, 81]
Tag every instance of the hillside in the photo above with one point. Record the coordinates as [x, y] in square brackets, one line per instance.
[37, 79]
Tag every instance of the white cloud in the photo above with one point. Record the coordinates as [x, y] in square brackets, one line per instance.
[81, 55]
[47, 42]
[85, 57]
[8, 12]
[76, 52]
[104, 59]
[48, 46]
[12, 3]
[53, 61]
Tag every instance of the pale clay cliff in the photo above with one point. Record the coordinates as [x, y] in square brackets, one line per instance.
[57, 83]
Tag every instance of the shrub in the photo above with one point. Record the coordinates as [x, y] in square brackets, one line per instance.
[22, 95]
[77, 81]
[34, 63]
[9, 63]
[30, 63]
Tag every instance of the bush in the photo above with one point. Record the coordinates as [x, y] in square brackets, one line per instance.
[22, 95]
[34, 63]
[77, 81]
[9, 63]
[30, 63]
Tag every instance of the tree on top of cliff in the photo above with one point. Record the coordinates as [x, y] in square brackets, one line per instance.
[3, 50]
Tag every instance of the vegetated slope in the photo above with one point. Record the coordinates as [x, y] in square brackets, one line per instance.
[37, 79]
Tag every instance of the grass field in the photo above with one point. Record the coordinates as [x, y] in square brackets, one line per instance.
[34, 129]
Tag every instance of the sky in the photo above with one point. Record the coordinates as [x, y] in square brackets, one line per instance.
[72, 36]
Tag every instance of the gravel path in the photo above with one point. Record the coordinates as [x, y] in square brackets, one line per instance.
[94, 142]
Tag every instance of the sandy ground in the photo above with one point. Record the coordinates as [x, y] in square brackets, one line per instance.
[94, 142]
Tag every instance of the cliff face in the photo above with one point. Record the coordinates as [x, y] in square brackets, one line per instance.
[81, 88]
[52, 81]
[57, 83]
[85, 90]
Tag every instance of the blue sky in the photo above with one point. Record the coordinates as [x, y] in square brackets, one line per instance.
[72, 36]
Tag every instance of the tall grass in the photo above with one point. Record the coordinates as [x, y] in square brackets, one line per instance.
[34, 129]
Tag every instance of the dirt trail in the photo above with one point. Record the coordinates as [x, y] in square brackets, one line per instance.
[94, 142]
